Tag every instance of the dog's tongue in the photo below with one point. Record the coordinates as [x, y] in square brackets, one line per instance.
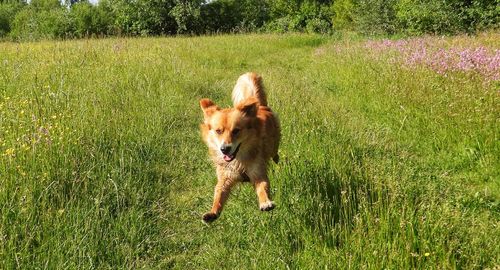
[228, 158]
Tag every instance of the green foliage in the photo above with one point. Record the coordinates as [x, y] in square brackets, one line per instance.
[448, 16]
[141, 17]
[429, 16]
[88, 19]
[75, 18]
[7, 13]
[375, 16]
[317, 25]
[36, 22]
[251, 14]
[54, 23]
[284, 24]
[219, 16]
[482, 14]
[41, 5]
[24, 25]
[186, 14]
[233, 16]
[343, 11]
[295, 16]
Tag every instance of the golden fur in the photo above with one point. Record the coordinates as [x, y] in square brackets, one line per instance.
[241, 141]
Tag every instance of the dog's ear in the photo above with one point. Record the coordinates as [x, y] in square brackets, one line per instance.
[208, 107]
[248, 107]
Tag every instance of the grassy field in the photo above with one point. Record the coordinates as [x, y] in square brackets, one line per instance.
[383, 164]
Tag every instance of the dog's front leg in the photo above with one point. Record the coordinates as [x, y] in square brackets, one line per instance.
[221, 193]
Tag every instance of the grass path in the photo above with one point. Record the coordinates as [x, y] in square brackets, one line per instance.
[102, 165]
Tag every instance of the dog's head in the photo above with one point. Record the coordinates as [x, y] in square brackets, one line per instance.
[230, 131]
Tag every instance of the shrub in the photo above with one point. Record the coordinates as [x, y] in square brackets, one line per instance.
[219, 16]
[54, 23]
[25, 26]
[284, 24]
[5, 19]
[417, 17]
[482, 14]
[8, 11]
[375, 16]
[310, 16]
[187, 16]
[41, 19]
[343, 14]
[317, 25]
[88, 19]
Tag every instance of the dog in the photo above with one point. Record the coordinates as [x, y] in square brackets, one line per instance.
[241, 141]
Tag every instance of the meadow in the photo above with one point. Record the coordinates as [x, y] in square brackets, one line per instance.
[390, 155]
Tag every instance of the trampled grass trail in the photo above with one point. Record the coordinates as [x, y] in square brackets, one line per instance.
[384, 164]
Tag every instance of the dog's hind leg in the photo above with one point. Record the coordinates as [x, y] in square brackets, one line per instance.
[260, 182]
[262, 188]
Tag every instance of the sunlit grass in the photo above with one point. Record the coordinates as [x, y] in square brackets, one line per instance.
[102, 165]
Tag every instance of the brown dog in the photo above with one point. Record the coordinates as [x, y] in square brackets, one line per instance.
[241, 140]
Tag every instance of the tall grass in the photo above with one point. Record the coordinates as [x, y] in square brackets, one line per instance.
[382, 166]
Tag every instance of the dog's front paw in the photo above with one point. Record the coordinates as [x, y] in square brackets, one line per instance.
[209, 217]
[267, 206]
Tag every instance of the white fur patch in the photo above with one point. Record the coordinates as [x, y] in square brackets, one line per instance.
[265, 206]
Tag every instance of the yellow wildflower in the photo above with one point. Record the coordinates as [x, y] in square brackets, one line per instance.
[9, 152]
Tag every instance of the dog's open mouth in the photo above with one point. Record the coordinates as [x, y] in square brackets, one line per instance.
[230, 157]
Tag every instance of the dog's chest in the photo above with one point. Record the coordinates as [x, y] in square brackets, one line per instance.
[234, 166]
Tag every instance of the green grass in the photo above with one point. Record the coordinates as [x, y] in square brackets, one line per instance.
[102, 165]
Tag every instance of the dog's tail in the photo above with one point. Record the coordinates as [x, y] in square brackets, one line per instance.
[249, 85]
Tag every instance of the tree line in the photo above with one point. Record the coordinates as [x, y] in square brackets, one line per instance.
[36, 19]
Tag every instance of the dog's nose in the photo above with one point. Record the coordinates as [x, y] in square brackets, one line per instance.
[225, 149]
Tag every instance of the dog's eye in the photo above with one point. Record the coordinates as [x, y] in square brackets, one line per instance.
[219, 131]
[236, 131]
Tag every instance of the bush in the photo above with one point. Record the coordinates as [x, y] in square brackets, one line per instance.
[284, 24]
[374, 17]
[50, 19]
[187, 15]
[5, 19]
[25, 26]
[417, 17]
[317, 25]
[219, 16]
[8, 12]
[41, 19]
[482, 14]
[54, 23]
[40, 5]
[343, 14]
[88, 19]
[310, 16]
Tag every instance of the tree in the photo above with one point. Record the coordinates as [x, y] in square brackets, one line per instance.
[186, 14]
[88, 19]
[8, 11]
[41, 19]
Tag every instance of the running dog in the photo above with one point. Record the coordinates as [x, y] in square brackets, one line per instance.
[241, 141]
